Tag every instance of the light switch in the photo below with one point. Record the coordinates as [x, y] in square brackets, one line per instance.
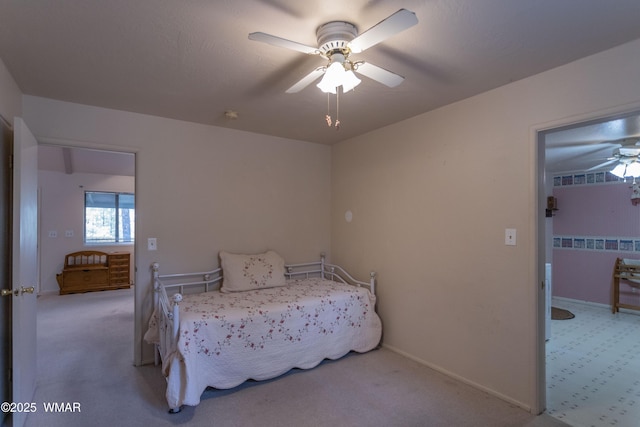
[152, 244]
[510, 236]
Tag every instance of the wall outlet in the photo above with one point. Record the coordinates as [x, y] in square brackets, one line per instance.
[152, 244]
[53, 233]
[68, 233]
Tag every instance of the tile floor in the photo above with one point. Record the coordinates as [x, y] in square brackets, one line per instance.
[593, 367]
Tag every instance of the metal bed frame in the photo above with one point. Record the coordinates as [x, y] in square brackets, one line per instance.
[169, 288]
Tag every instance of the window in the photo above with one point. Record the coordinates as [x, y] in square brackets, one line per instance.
[109, 217]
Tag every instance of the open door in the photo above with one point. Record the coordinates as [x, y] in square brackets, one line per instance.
[24, 268]
[6, 150]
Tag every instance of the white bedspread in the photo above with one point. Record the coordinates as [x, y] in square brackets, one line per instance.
[226, 339]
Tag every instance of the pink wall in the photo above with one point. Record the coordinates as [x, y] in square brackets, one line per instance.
[593, 213]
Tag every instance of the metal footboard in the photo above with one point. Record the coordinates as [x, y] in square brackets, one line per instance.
[168, 291]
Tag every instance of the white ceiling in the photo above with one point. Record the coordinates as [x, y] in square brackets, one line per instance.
[192, 60]
[589, 145]
[83, 160]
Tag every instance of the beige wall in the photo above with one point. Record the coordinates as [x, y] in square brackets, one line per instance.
[201, 189]
[62, 210]
[431, 198]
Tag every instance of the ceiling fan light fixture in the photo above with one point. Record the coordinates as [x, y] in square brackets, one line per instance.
[337, 75]
[350, 81]
[332, 78]
[633, 169]
[619, 170]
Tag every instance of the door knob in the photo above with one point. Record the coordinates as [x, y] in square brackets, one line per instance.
[17, 292]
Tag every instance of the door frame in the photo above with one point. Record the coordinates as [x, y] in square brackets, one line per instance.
[539, 224]
[6, 148]
[61, 142]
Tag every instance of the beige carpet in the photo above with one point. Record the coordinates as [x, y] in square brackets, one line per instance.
[85, 353]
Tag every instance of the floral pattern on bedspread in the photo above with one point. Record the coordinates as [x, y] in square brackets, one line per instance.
[228, 338]
[254, 318]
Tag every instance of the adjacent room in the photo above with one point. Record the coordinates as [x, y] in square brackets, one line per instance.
[87, 202]
[430, 169]
[591, 226]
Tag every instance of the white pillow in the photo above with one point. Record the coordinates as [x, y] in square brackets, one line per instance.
[250, 272]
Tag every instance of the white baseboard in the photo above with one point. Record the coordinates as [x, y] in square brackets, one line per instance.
[461, 379]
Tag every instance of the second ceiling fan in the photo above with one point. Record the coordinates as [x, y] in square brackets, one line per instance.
[626, 157]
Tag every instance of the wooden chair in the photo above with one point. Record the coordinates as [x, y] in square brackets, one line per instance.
[628, 271]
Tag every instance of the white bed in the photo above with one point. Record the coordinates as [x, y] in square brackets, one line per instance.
[209, 335]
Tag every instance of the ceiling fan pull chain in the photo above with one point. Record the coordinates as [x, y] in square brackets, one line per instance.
[327, 117]
[337, 108]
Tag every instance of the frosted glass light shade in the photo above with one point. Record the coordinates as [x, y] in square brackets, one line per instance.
[335, 76]
[349, 81]
[633, 169]
[332, 78]
[619, 170]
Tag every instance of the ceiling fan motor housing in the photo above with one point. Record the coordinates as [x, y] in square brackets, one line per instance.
[335, 37]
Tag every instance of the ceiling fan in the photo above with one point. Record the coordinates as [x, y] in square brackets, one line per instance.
[337, 40]
[627, 156]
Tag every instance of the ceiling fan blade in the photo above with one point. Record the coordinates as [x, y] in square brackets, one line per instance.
[280, 42]
[394, 24]
[306, 80]
[601, 165]
[379, 74]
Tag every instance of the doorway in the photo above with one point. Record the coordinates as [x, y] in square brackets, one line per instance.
[582, 155]
[66, 174]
